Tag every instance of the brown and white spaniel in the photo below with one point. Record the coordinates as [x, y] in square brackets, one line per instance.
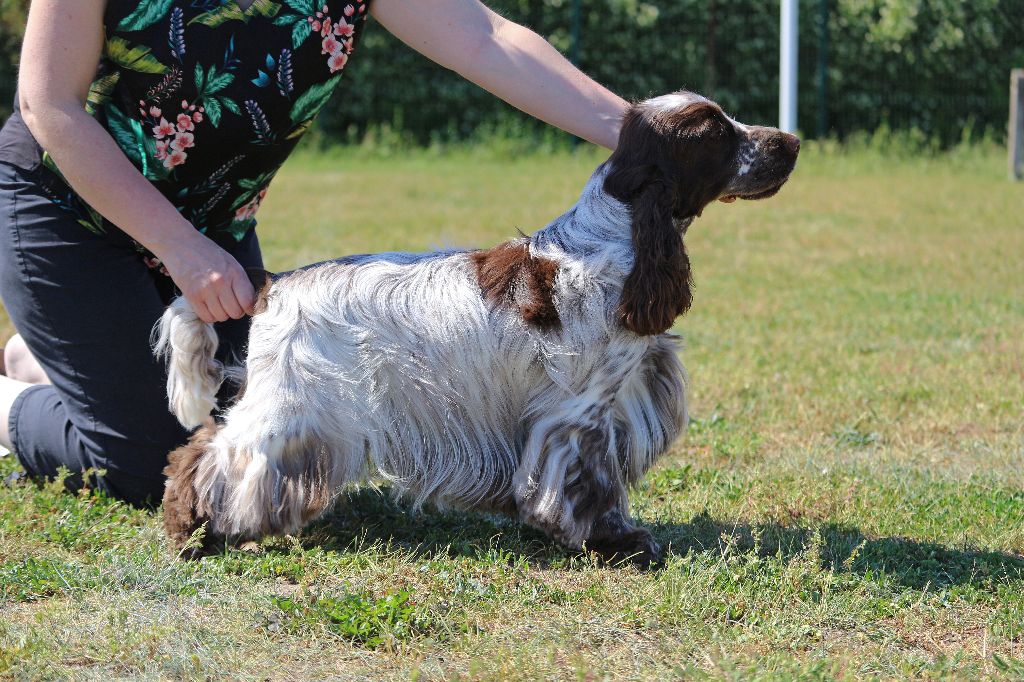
[534, 379]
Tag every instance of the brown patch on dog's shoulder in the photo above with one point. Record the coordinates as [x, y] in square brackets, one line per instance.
[261, 281]
[510, 275]
[182, 517]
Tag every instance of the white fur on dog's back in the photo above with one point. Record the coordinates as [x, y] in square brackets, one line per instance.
[194, 376]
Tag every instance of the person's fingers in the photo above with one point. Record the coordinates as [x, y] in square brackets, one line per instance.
[244, 293]
[202, 311]
[229, 302]
[216, 309]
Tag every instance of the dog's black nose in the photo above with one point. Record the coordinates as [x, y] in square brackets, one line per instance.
[792, 143]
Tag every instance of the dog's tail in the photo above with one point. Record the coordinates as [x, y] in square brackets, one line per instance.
[194, 375]
[188, 346]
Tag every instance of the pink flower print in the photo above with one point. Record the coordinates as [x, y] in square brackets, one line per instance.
[337, 61]
[315, 26]
[184, 104]
[164, 129]
[330, 45]
[197, 117]
[349, 10]
[349, 45]
[154, 112]
[249, 210]
[183, 141]
[324, 10]
[362, 8]
[175, 158]
[161, 149]
[326, 27]
[343, 29]
[185, 123]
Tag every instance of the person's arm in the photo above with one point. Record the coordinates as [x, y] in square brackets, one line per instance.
[63, 43]
[507, 60]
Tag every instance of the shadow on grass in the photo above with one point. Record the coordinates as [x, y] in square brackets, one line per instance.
[911, 563]
[367, 517]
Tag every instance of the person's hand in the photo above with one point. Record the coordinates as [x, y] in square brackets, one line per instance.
[210, 278]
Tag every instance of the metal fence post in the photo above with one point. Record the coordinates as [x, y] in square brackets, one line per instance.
[788, 38]
[1016, 136]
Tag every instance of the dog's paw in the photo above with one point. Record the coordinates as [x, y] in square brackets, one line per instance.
[637, 547]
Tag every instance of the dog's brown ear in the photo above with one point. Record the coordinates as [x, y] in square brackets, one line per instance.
[659, 288]
[641, 175]
[667, 167]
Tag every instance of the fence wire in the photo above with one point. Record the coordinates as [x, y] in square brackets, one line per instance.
[936, 66]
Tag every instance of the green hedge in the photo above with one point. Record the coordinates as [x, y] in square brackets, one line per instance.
[936, 65]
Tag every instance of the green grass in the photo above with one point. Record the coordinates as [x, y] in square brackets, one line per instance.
[848, 501]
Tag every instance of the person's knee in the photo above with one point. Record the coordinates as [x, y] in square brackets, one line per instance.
[20, 364]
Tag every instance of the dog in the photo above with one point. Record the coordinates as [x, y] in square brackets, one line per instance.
[534, 379]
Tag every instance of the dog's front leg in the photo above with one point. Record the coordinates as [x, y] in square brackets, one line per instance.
[571, 485]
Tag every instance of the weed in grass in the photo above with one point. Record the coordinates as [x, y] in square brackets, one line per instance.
[360, 618]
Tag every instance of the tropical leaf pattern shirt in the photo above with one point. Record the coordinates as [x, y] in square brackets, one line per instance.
[207, 99]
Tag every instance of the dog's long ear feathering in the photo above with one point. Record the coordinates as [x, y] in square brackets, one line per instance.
[669, 164]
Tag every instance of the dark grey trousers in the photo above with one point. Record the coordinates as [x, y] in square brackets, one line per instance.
[85, 306]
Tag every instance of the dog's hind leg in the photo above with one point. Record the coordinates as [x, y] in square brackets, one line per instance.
[264, 471]
[274, 472]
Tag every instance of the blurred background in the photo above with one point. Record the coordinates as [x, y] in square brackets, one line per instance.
[938, 69]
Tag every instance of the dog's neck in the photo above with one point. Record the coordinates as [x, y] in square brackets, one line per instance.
[598, 227]
[596, 223]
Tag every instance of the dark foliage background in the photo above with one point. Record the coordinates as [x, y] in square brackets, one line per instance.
[935, 65]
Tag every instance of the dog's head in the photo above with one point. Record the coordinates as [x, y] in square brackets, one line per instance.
[676, 154]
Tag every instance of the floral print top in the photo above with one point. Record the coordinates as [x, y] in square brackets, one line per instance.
[207, 99]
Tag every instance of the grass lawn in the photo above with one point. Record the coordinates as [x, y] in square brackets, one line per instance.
[848, 501]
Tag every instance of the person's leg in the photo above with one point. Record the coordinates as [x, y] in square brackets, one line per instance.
[85, 309]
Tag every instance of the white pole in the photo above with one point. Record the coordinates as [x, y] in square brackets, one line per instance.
[1016, 139]
[787, 66]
